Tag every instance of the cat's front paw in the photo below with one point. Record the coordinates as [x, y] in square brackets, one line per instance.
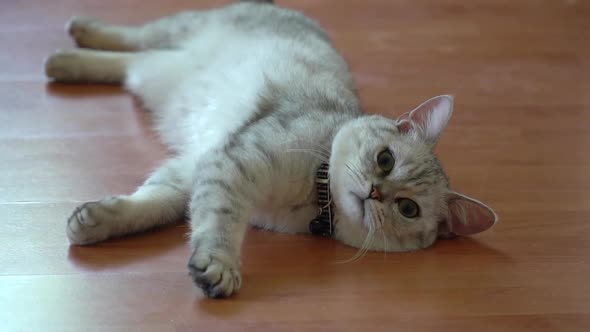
[91, 222]
[217, 275]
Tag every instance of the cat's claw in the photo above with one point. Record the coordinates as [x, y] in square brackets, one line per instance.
[217, 276]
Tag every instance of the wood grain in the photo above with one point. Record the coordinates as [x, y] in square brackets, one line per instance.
[519, 140]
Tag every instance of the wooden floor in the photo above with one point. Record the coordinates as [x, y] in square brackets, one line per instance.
[519, 140]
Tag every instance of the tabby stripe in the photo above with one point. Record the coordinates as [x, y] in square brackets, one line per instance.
[271, 159]
[243, 172]
[264, 107]
[420, 183]
[198, 196]
[219, 210]
[216, 183]
[210, 164]
[419, 174]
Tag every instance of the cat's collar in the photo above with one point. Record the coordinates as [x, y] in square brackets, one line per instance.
[323, 224]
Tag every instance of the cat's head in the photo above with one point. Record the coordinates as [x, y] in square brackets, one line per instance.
[389, 190]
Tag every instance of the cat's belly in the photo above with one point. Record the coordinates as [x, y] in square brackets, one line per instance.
[206, 108]
[208, 89]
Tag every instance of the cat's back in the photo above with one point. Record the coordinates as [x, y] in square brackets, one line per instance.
[251, 16]
[273, 35]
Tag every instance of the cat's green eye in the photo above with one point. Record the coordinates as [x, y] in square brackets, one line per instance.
[385, 161]
[408, 208]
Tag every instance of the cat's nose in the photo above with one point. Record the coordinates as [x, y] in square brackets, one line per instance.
[375, 194]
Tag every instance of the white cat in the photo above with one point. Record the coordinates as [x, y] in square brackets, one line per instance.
[253, 100]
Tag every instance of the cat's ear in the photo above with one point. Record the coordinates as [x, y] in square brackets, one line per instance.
[429, 119]
[466, 216]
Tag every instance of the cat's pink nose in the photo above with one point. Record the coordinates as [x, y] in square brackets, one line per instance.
[375, 194]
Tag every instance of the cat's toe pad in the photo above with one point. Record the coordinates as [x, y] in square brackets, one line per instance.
[216, 276]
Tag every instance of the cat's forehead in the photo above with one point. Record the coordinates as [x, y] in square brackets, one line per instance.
[409, 150]
[415, 160]
[377, 124]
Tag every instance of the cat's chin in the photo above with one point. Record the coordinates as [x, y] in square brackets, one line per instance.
[351, 221]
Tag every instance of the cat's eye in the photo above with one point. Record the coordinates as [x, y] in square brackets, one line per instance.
[385, 161]
[408, 208]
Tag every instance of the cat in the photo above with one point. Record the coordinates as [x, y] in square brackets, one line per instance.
[252, 99]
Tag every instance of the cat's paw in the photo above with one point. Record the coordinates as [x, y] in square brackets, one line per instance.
[92, 222]
[82, 30]
[64, 66]
[217, 275]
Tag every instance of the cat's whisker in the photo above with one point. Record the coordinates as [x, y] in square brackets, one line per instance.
[369, 245]
[354, 175]
[359, 179]
[362, 250]
[318, 152]
[376, 219]
[396, 231]
[354, 168]
[384, 241]
[354, 178]
[322, 148]
[312, 152]
[319, 148]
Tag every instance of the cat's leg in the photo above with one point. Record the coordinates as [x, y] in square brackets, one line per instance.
[88, 66]
[222, 203]
[90, 32]
[162, 199]
[219, 221]
[163, 33]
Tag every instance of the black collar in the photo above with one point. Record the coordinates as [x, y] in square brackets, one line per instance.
[323, 224]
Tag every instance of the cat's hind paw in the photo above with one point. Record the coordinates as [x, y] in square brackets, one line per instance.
[83, 29]
[217, 276]
[64, 66]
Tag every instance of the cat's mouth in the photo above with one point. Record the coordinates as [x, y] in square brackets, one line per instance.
[364, 207]
[366, 204]
[362, 203]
